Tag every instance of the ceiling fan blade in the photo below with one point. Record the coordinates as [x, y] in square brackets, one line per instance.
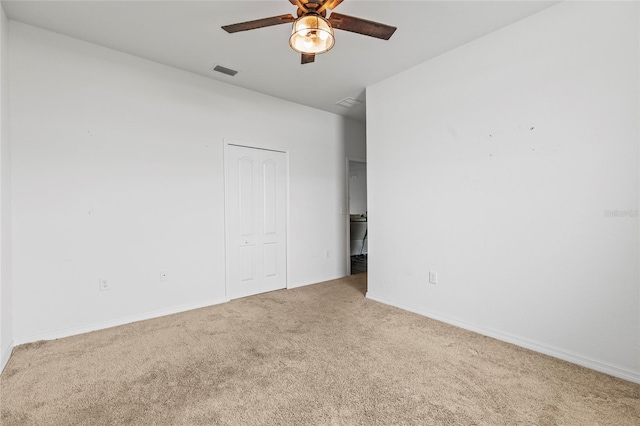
[308, 58]
[332, 4]
[301, 5]
[328, 4]
[258, 23]
[361, 26]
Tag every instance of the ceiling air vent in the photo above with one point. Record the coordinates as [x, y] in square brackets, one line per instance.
[349, 102]
[225, 70]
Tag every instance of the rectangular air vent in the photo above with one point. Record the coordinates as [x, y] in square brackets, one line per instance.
[225, 70]
[349, 102]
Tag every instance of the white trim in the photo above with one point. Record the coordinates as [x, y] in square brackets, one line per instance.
[58, 334]
[4, 357]
[348, 203]
[313, 282]
[573, 358]
[227, 279]
[286, 224]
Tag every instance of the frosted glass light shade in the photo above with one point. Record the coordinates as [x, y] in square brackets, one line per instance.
[311, 34]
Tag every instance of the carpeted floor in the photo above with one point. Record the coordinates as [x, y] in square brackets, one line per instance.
[317, 355]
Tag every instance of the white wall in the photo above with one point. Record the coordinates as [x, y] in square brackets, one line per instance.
[507, 152]
[6, 297]
[356, 137]
[357, 187]
[118, 174]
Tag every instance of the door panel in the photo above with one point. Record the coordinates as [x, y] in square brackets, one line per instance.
[270, 182]
[270, 259]
[256, 220]
[247, 195]
[247, 263]
[274, 220]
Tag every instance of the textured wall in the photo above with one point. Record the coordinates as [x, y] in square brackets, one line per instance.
[118, 174]
[509, 156]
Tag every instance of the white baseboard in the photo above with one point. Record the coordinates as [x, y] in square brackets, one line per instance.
[58, 334]
[291, 286]
[5, 355]
[564, 355]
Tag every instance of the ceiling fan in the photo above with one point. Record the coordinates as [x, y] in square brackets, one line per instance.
[312, 30]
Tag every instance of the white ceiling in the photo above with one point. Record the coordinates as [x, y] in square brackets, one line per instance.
[187, 35]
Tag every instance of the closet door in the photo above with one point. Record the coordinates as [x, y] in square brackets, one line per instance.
[256, 220]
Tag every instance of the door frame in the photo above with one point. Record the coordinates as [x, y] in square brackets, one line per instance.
[252, 145]
[348, 203]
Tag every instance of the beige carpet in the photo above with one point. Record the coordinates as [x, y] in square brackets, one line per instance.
[321, 354]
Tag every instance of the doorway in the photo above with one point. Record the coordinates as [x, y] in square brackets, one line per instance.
[255, 204]
[358, 221]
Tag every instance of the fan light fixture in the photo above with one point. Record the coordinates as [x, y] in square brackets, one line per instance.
[312, 35]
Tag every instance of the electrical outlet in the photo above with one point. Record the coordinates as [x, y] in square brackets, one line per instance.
[103, 284]
[433, 277]
[164, 275]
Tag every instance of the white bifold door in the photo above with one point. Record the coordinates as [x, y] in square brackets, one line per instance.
[256, 221]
